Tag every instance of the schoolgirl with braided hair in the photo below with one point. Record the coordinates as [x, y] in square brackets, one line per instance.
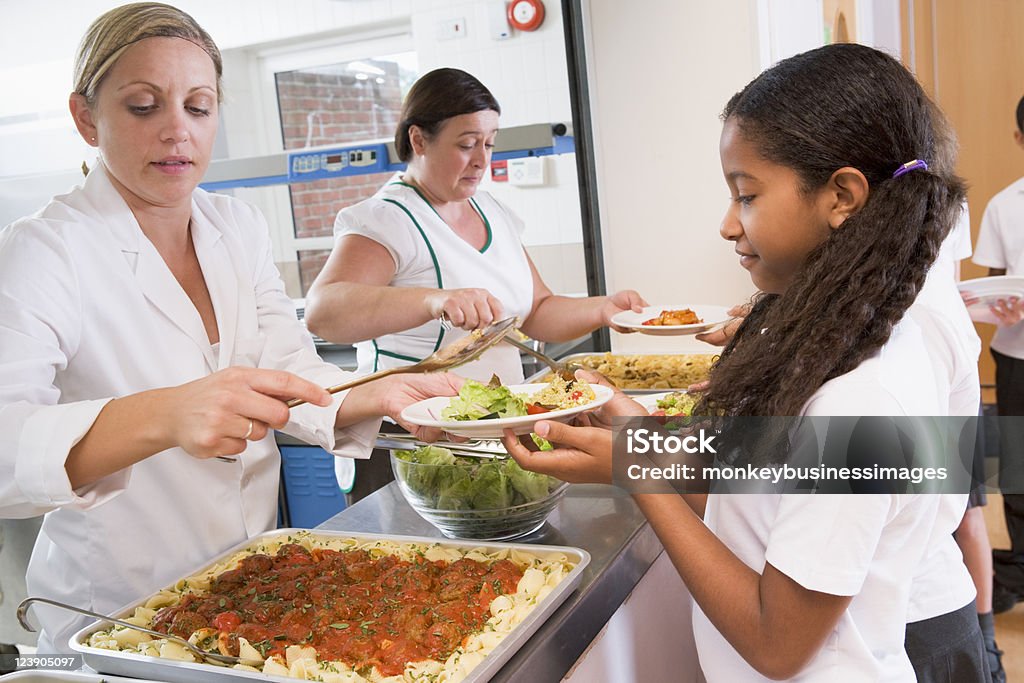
[837, 214]
[860, 269]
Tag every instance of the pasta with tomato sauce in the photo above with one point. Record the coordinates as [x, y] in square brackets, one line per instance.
[347, 610]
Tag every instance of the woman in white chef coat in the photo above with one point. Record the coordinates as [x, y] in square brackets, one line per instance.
[430, 256]
[145, 334]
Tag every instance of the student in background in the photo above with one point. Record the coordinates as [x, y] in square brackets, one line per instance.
[1001, 249]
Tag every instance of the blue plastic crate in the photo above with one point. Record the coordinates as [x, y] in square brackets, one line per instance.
[311, 492]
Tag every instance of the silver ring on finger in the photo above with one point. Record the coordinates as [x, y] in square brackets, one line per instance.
[248, 432]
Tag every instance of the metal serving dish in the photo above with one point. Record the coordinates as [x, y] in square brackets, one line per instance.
[50, 676]
[139, 666]
[680, 359]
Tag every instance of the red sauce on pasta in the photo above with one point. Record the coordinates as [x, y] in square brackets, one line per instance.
[365, 612]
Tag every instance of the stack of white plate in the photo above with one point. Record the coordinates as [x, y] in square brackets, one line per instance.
[989, 290]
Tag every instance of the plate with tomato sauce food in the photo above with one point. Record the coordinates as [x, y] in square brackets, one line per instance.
[484, 411]
[672, 320]
[343, 607]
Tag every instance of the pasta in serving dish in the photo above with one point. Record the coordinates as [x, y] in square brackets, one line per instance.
[348, 610]
[649, 371]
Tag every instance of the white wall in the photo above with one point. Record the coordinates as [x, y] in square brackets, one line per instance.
[660, 74]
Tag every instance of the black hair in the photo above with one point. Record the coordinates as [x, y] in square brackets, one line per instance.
[436, 97]
[836, 106]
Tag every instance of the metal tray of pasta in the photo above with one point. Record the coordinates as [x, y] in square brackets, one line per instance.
[344, 608]
[642, 373]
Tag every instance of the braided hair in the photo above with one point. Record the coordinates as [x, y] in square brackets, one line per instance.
[836, 106]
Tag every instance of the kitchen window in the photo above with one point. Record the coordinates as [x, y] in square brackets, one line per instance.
[338, 94]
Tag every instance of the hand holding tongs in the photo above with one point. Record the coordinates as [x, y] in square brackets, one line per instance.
[215, 657]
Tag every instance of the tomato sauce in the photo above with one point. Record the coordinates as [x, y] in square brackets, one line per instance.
[365, 612]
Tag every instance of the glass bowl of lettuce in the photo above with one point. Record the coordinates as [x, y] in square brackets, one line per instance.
[486, 499]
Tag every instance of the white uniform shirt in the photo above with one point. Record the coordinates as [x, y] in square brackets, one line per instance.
[428, 253]
[89, 311]
[867, 546]
[943, 584]
[1001, 245]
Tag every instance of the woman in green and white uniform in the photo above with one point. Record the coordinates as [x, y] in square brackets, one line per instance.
[430, 257]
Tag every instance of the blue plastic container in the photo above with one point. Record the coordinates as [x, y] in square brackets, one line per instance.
[311, 492]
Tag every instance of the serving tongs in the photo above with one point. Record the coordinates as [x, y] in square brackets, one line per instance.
[475, 448]
[214, 657]
[566, 371]
[459, 352]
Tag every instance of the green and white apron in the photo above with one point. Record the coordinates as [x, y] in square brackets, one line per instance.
[428, 253]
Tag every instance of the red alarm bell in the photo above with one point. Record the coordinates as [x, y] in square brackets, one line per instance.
[526, 15]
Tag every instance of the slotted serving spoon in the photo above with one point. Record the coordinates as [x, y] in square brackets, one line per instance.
[566, 371]
[457, 353]
[199, 652]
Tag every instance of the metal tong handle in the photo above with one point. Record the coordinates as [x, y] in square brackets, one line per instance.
[459, 352]
[357, 382]
[471, 449]
[212, 656]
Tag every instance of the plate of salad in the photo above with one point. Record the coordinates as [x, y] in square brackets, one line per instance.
[672, 408]
[484, 411]
[669, 403]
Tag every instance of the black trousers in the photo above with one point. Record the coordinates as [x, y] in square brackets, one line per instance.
[948, 648]
[1009, 565]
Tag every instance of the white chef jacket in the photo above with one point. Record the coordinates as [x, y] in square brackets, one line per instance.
[90, 312]
[867, 546]
[428, 253]
[1001, 245]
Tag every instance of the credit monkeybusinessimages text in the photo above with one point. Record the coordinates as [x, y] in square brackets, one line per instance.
[778, 473]
[645, 441]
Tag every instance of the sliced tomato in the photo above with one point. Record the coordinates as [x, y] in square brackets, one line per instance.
[534, 409]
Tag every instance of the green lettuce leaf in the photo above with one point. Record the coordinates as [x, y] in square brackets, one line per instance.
[478, 401]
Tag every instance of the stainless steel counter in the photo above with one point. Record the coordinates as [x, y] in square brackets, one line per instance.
[600, 519]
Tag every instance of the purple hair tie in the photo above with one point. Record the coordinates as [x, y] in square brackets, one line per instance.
[911, 166]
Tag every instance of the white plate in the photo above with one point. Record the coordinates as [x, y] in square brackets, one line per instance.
[650, 401]
[989, 290]
[711, 315]
[428, 414]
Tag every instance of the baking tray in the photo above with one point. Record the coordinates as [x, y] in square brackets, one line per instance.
[50, 676]
[137, 665]
[536, 377]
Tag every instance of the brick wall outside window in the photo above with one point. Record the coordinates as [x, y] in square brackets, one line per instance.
[329, 106]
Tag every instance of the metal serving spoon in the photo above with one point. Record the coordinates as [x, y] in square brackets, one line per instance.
[556, 367]
[209, 656]
[566, 371]
[457, 353]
